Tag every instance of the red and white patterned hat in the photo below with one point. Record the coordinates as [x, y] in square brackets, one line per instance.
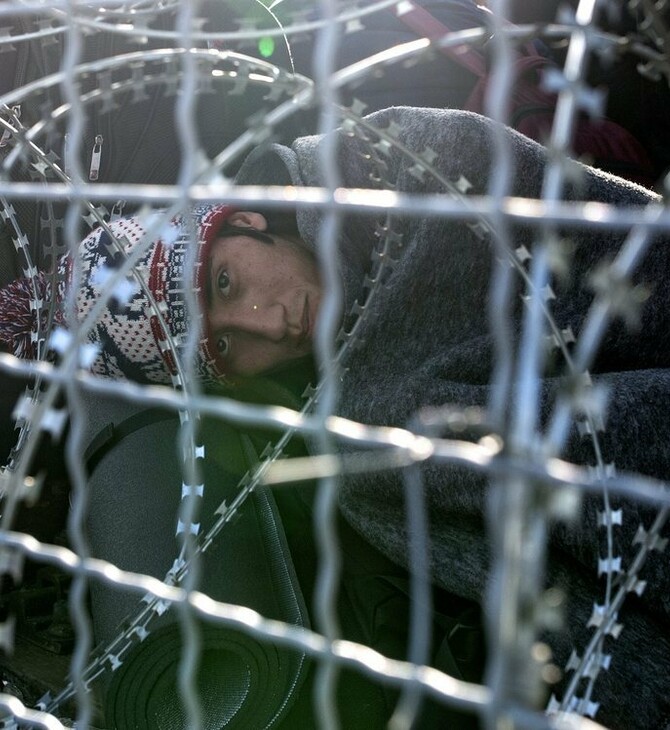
[132, 342]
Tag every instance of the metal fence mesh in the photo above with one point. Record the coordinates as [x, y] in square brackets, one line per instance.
[248, 62]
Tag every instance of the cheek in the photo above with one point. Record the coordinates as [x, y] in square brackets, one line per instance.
[270, 273]
[262, 357]
[295, 268]
[255, 357]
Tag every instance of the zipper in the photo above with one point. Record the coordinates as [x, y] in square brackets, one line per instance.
[117, 210]
[6, 135]
[22, 56]
[96, 154]
[66, 154]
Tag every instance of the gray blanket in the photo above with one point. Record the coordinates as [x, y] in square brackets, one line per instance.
[426, 341]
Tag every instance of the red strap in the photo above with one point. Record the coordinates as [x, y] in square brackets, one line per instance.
[427, 25]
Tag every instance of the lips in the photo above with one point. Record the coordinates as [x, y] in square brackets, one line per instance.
[305, 323]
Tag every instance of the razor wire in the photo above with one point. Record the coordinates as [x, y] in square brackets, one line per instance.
[184, 71]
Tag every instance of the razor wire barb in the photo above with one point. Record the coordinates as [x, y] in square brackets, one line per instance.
[529, 510]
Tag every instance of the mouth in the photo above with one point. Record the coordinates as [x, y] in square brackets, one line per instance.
[305, 322]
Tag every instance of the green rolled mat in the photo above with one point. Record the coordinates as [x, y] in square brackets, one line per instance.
[241, 682]
[134, 491]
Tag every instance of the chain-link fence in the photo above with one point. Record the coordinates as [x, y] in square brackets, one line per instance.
[433, 495]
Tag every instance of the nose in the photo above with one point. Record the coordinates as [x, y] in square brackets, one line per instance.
[265, 320]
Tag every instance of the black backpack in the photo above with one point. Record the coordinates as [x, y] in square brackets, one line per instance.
[130, 133]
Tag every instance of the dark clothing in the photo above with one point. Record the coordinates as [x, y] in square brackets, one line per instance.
[426, 341]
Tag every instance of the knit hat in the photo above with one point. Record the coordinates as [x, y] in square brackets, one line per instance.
[131, 340]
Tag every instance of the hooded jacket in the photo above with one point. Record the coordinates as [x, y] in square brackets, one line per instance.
[418, 335]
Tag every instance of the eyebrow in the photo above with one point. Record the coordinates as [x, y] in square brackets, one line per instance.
[227, 230]
[208, 283]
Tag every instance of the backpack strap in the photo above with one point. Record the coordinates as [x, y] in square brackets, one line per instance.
[529, 59]
[112, 434]
[424, 23]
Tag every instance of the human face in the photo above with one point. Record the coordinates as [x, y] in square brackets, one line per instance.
[262, 299]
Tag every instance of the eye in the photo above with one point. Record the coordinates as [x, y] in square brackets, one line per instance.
[223, 345]
[223, 283]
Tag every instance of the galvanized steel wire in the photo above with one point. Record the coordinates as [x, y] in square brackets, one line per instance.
[512, 677]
